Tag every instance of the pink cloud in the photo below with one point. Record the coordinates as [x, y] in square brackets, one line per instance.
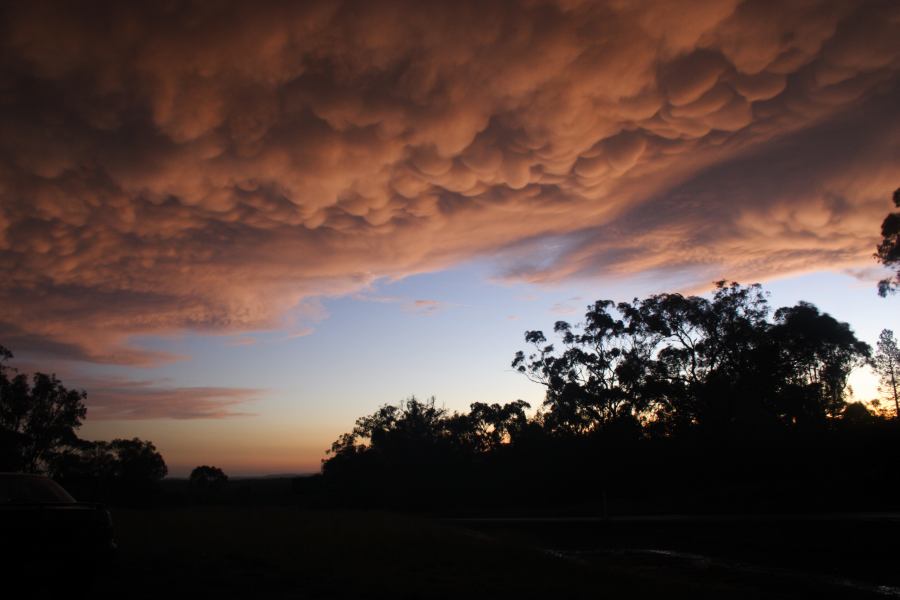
[174, 167]
[427, 307]
[124, 399]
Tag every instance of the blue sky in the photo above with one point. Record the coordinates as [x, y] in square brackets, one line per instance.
[379, 346]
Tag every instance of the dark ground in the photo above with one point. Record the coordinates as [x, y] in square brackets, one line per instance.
[233, 552]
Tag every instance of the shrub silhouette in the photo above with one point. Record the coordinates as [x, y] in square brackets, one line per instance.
[207, 483]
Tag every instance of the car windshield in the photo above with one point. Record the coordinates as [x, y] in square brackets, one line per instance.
[27, 488]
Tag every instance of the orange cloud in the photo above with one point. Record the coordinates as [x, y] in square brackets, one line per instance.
[169, 166]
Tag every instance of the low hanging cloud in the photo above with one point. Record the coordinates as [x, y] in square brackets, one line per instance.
[169, 166]
[125, 399]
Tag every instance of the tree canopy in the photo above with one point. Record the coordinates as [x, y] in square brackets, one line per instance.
[38, 418]
[669, 363]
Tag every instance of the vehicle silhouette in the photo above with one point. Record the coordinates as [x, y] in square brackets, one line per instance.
[49, 539]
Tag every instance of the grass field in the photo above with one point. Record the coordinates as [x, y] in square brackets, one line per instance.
[289, 553]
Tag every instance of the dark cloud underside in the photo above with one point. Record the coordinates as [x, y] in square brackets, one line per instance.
[207, 166]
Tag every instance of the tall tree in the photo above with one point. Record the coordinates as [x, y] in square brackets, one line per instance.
[888, 251]
[38, 417]
[706, 370]
[887, 364]
[589, 383]
[819, 354]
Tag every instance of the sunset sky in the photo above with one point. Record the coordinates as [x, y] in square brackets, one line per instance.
[239, 226]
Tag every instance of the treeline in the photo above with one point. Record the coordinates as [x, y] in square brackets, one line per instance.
[669, 402]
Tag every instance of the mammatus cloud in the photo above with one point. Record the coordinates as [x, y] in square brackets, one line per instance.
[168, 166]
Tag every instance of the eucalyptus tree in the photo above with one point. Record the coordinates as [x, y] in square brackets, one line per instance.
[818, 354]
[593, 380]
[718, 365]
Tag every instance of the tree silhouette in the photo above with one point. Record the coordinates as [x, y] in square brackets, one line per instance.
[705, 364]
[674, 363]
[887, 365]
[123, 471]
[490, 425]
[38, 418]
[410, 427]
[671, 362]
[207, 482]
[137, 461]
[819, 353]
[888, 251]
[208, 477]
[588, 384]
